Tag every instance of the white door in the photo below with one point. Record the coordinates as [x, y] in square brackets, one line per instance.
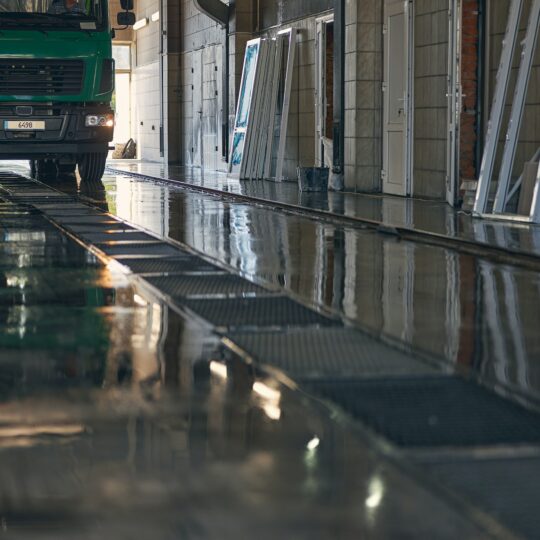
[197, 112]
[322, 98]
[396, 98]
[454, 100]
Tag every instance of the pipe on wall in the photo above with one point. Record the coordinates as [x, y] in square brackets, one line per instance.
[215, 9]
[339, 94]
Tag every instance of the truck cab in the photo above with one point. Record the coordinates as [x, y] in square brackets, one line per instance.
[56, 85]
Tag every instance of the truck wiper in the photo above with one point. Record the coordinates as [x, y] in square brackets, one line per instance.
[77, 14]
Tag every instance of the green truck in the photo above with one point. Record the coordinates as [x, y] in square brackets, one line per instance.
[57, 84]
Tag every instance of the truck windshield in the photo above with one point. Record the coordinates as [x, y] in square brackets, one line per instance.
[43, 13]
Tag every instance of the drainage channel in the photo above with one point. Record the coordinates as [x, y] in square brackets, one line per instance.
[503, 255]
[410, 409]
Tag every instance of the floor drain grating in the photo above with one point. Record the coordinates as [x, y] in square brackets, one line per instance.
[433, 411]
[328, 352]
[170, 265]
[257, 312]
[206, 285]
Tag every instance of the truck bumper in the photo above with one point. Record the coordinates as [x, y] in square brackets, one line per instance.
[65, 135]
[64, 151]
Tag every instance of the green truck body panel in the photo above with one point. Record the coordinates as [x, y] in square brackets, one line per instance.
[92, 47]
[56, 88]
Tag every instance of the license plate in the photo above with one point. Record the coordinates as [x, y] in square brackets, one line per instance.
[24, 125]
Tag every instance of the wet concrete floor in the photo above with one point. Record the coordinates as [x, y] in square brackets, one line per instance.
[116, 420]
[477, 315]
[419, 215]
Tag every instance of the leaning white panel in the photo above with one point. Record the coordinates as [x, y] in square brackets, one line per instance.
[278, 53]
[291, 34]
[518, 106]
[244, 111]
[497, 108]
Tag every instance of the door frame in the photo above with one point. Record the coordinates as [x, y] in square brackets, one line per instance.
[454, 99]
[197, 64]
[321, 99]
[408, 98]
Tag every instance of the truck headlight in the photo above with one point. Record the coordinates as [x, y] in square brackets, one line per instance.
[99, 120]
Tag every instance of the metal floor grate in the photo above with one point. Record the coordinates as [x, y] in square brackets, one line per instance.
[85, 220]
[433, 411]
[100, 228]
[505, 488]
[140, 249]
[207, 285]
[169, 265]
[116, 236]
[69, 212]
[328, 352]
[257, 312]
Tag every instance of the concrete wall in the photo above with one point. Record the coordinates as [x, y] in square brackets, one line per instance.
[148, 111]
[145, 83]
[430, 101]
[363, 95]
[194, 89]
[201, 71]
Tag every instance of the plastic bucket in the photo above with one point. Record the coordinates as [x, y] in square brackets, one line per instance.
[313, 178]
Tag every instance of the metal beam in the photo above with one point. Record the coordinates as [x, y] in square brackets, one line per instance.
[496, 117]
[518, 106]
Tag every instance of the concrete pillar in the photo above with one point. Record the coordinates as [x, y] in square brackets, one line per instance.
[241, 28]
[171, 81]
[363, 95]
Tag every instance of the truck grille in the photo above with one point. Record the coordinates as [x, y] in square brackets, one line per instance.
[21, 77]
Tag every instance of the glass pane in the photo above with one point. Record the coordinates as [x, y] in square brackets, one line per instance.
[61, 12]
[248, 82]
[283, 62]
[237, 152]
[122, 56]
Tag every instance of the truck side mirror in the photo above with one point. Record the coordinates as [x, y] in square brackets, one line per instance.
[127, 5]
[126, 18]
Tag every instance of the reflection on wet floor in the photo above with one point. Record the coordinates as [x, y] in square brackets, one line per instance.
[476, 314]
[118, 419]
[429, 216]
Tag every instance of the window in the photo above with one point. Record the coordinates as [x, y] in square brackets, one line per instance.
[122, 57]
[52, 13]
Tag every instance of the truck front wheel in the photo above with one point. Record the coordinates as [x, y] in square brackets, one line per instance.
[92, 166]
[65, 169]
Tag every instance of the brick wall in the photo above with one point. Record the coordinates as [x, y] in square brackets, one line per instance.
[468, 166]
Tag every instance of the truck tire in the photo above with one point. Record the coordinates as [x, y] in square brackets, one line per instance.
[65, 169]
[92, 166]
